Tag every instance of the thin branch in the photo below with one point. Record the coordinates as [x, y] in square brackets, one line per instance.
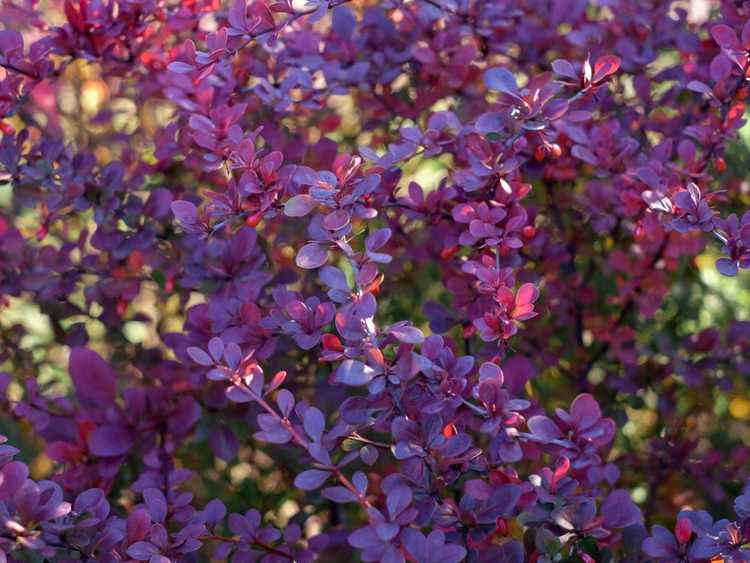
[255, 543]
[13, 68]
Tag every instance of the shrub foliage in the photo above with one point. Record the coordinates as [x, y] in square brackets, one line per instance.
[377, 280]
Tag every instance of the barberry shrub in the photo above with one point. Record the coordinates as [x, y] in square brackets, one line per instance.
[375, 280]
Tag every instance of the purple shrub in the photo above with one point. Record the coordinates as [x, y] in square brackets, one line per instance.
[367, 280]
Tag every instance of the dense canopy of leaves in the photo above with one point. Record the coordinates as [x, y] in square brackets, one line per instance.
[377, 280]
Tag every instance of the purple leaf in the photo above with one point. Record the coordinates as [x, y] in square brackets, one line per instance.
[406, 333]
[285, 400]
[398, 499]
[368, 454]
[336, 220]
[378, 239]
[311, 479]
[156, 503]
[142, 550]
[564, 68]
[727, 267]
[199, 356]
[92, 377]
[319, 453]
[11, 43]
[353, 372]
[489, 371]
[585, 154]
[314, 423]
[463, 213]
[232, 355]
[299, 205]
[720, 69]
[661, 544]
[334, 278]
[585, 411]
[216, 348]
[239, 394]
[364, 538]
[700, 87]
[12, 477]
[180, 67]
[223, 443]
[214, 512]
[343, 22]
[619, 510]
[186, 214]
[490, 123]
[110, 440]
[338, 494]
[312, 256]
[501, 80]
[544, 428]
[237, 16]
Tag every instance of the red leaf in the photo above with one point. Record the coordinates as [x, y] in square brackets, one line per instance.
[605, 66]
[74, 18]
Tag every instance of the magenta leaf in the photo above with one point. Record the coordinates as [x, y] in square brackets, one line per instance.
[725, 37]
